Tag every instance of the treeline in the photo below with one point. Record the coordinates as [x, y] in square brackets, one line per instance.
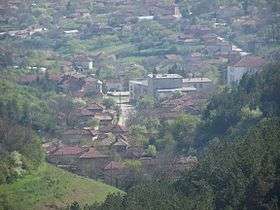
[26, 115]
[239, 168]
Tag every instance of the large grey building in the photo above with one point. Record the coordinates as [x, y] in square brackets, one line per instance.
[158, 85]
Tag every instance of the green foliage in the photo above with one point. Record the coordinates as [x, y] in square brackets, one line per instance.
[145, 103]
[243, 174]
[109, 103]
[151, 150]
[183, 131]
[20, 151]
[153, 196]
[254, 98]
[52, 186]
[139, 134]
[134, 165]
[25, 105]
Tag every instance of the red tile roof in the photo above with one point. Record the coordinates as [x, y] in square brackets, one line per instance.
[92, 153]
[250, 62]
[113, 129]
[68, 150]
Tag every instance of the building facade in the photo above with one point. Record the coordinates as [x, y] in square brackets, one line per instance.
[247, 65]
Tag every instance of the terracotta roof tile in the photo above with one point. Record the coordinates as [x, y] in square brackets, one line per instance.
[92, 153]
[68, 150]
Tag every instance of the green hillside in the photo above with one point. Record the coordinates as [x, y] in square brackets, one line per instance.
[50, 187]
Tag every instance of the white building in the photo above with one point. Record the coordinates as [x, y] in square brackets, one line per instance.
[140, 18]
[248, 64]
[158, 85]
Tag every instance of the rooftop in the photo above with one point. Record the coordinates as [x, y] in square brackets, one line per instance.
[92, 153]
[139, 82]
[94, 106]
[68, 150]
[146, 17]
[250, 61]
[165, 76]
[196, 80]
[185, 89]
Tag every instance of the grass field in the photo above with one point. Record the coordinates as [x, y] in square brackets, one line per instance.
[49, 188]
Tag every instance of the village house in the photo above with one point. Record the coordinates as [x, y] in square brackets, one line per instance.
[82, 62]
[92, 162]
[104, 141]
[187, 103]
[72, 82]
[95, 107]
[114, 85]
[197, 30]
[201, 84]
[78, 83]
[121, 144]
[104, 118]
[92, 86]
[76, 136]
[83, 116]
[247, 65]
[65, 155]
[214, 46]
[113, 128]
[134, 152]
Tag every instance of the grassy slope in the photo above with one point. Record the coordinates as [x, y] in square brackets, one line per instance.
[50, 186]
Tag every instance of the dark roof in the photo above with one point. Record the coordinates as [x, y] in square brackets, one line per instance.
[113, 129]
[68, 150]
[92, 153]
[250, 62]
[103, 117]
[94, 106]
[104, 140]
[121, 142]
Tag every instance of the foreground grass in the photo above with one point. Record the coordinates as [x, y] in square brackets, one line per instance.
[50, 187]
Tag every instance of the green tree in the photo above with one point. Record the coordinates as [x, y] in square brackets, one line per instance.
[109, 103]
[151, 150]
[183, 131]
[145, 103]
